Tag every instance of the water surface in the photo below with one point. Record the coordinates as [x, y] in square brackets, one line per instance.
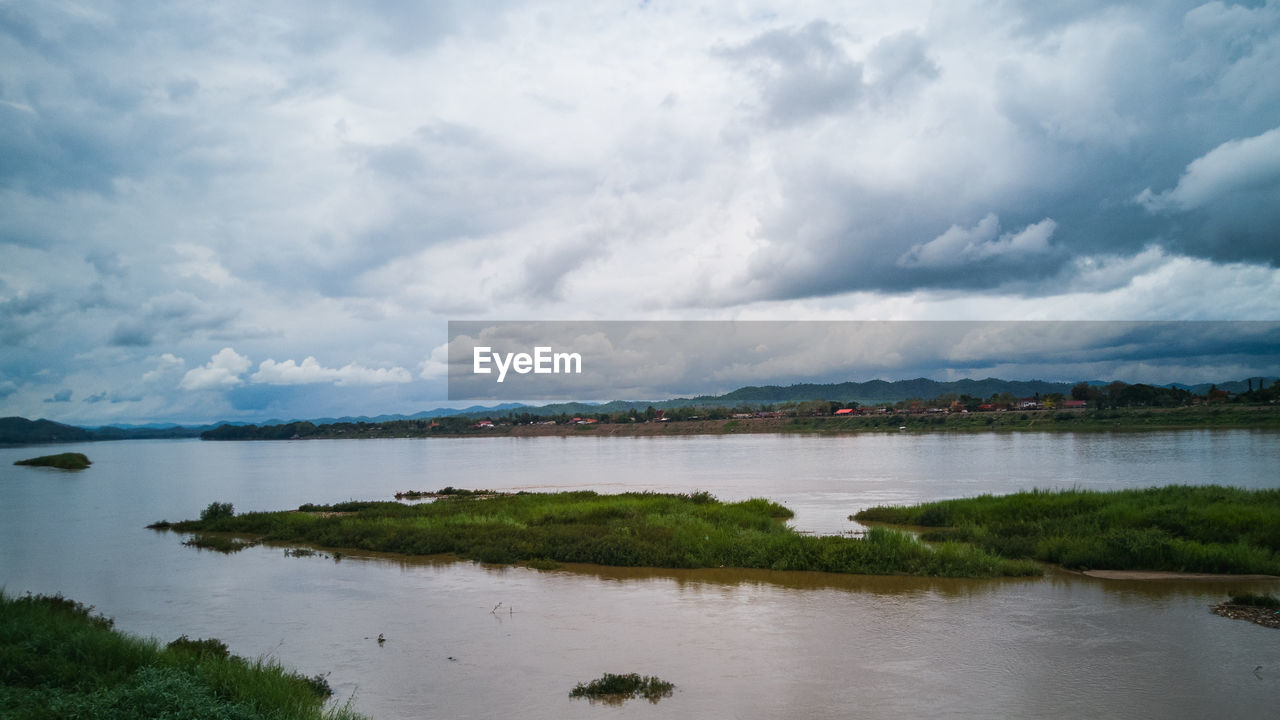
[750, 644]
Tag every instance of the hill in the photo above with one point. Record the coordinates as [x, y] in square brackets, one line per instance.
[18, 430]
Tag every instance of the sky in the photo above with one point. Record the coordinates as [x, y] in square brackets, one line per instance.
[244, 210]
[639, 360]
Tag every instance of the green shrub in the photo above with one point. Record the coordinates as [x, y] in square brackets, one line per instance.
[217, 511]
[1255, 600]
[623, 687]
[62, 461]
[211, 647]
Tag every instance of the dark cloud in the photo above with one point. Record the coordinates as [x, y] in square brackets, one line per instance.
[17, 25]
[547, 266]
[901, 63]
[132, 332]
[174, 315]
[455, 183]
[53, 147]
[382, 26]
[175, 176]
[60, 396]
[801, 73]
[22, 315]
[1117, 104]
[106, 262]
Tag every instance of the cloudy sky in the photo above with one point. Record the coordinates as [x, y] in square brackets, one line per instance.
[252, 210]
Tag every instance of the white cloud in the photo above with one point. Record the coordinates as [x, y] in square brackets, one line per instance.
[167, 366]
[435, 366]
[1233, 166]
[311, 371]
[223, 371]
[958, 246]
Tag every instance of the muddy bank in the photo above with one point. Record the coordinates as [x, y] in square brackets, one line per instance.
[1266, 617]
[1156, 575]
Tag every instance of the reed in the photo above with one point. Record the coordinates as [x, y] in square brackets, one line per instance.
[613, 688]
[630, 529]
[1176, 528]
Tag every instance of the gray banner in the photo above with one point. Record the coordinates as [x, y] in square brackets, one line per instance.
[626, 360]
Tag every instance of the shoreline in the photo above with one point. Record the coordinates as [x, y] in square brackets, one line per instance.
[1051, 421]
[1159, 575]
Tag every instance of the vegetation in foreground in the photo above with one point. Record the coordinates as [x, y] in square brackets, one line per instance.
[632, 529]
[614, 689]
[63, 461]
[1176, 528]
[58, 660]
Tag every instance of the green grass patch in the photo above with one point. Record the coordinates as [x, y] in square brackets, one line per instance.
[1175, 528]
[444, 492]
[62, 461]
[1260, 600]
[617, 688]
[631, 529]
[58, 660]
[218, 543]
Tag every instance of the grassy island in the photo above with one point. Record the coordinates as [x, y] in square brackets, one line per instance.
[615, 689]
[1208, 529]
[632, 529]
[63, 461]
[57, 660]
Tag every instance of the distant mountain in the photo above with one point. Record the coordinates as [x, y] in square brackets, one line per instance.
[865, 393]
[881, 391]
[424, 415]
[1233, 386]
[18, 430]
[171, 432]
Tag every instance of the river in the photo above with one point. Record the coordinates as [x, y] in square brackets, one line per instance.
[741, 644]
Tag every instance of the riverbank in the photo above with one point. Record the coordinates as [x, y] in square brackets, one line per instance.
[1199, 417]
[630, 529]
[60, 660]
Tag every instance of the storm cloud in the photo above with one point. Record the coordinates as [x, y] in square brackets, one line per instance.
[221, 211]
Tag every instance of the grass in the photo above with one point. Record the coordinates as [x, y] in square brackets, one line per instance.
[218, 543]
[1177, 528]
[617, 688]
[444, 492]
[631, 529]
[1249, 599]
[58, 660]
[62, 461]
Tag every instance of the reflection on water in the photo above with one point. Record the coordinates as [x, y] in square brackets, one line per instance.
[751, 644]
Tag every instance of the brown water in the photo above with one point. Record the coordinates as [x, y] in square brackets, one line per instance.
[753, 644]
